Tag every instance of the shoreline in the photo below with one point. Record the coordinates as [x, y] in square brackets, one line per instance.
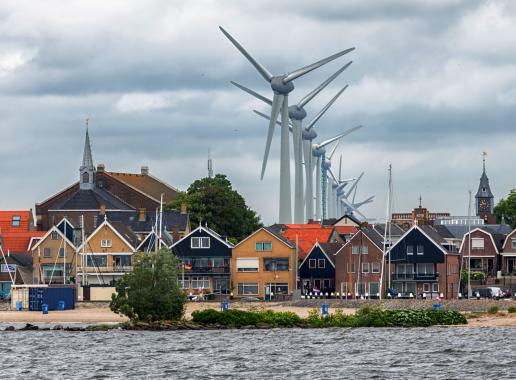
[101, 314]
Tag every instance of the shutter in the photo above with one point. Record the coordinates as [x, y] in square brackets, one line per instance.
[247, 263]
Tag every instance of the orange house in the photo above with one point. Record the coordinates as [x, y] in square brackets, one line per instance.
[264, 265]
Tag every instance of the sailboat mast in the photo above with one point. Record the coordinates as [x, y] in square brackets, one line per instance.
[387, 218]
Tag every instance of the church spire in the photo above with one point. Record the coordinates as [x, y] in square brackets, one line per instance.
[87, 169]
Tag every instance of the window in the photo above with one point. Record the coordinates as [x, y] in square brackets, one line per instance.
[47, 252]
[16, 221]
[360, 288]
[425, 268]
[200, 242]
[85, 177]
[420, 250]
[352, 267]
[513, 243]
[477, 243]
[279, 288]
[312, 263]
[106, 243]
[264, 246]
[435, 287]
[96, 261]
[61, 252]
[374, 288]
[247, 288]
[321, 263]
[202, 282]
[355, 249]
[184, 283]
[426, 287]
[273, 265]
[375, 267]
[365, 249]
[53, 235]
[365, 267]
[247, 265]
[410, 249]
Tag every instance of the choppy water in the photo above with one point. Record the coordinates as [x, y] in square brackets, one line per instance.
[440, 353]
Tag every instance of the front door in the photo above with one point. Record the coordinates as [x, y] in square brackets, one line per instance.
[511, 264]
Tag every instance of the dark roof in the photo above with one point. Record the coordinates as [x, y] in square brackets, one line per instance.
[443, 231]
[484, 190]
[375, 237]
[331, 249]
[24, 259]
[126, 232]
[276, 229]
[396, 230]
[458, 231]
[171, 219]
[336, 220]
[92, 200]
[433, 234]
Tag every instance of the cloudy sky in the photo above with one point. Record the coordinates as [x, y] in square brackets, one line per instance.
[433, 83]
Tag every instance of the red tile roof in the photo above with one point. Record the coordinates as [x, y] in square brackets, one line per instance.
[346, 230]
[6, 221]
[18, 241]
[307, 235]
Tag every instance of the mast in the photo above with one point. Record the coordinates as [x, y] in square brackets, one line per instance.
[387, 227]
[160, 220]
[64, 254]
[84, 260]
[469, 246]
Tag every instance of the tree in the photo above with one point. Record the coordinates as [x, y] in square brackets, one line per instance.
[213, 201]
[150, 292]
[507, 208]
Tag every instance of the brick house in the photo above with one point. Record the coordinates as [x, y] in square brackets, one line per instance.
[358, 265]
[485, 250]
[508, 254]
[263, 265]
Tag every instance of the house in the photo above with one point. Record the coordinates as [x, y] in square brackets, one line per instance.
[106, 254]
[18, 231]
[508, 254]
[317, 270]
[421, 264]
[54, 257]
[346, 226]
[122, 196]
[15, 269]
[264, 265]
[206, 259]
[358, 265]
[486, 246]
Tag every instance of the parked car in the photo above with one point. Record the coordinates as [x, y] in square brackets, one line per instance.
[488, 292]
[506, 293]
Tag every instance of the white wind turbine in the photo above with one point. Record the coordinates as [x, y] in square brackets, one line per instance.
[297, 114]
[281, 86]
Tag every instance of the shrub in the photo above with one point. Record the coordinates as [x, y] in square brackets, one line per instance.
[150, 293]
[493, 310]
[512, 309]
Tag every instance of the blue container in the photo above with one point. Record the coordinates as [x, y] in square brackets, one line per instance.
[52, 296]
[325, 309]
[61, 305]
[19, 305]
[437, 306]
[44, 308]
[224, 306]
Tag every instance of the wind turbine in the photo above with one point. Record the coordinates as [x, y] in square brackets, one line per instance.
[297, 114]
[281, 86]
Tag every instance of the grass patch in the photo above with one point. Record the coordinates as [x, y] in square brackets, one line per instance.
[512, 309]
[364, 317]
[493, 310]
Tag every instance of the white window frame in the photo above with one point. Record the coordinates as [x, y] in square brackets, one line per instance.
[365, 265]
[45, 250]
[365, 250]
[312, 263]
[204, 281]
[377, 266]
[53, 235]
[199, 242]
[422, 251]
[247, 284]
[426, 287]
[435, 287]
[475, 243]
[411, 250]
[246, 268]
[16, 221]
[513, 243]
[106, 243]
[355, 250]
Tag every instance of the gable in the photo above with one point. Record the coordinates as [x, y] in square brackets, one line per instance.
[217, 248]
[106, 232]
[317, 253]
[432, 252]
[347, 220]
[47, 242]
[507, 245]
[479, 233]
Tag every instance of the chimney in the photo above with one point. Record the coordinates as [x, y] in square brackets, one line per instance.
[101, 168]
[145, 170]
[183, 208]
[102, 209]
[141, 215]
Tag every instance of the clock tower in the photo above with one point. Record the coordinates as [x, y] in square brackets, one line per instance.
[484, 197]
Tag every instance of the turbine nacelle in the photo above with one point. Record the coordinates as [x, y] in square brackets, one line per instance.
[318, 151]
[309, 134]
[280, 87]
[296, 113]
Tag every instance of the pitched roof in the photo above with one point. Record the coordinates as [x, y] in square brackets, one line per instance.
[6, 220]
[171, 219]
[396, 230]
[346, 230]
[19, 241]
[210, 232]
[331, 249]
[427, 233]
[147, 184]
[92, 200]
[374, 236]
[306, 235]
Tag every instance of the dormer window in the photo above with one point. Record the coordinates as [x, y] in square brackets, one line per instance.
[16, 221]
[200, 242]
[85, 177]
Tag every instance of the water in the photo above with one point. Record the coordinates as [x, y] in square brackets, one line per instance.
[435, 353]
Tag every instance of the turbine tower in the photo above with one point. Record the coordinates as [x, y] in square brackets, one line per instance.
[281, 86]
[297, 114]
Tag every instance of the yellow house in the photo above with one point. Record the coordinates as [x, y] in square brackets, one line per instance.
[106, 254]
[53, 252]
[264, 265]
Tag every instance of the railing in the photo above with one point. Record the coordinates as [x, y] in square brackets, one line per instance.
[416, 276]
[114, 269]
[207, 269]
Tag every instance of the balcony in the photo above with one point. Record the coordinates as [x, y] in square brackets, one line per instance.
[415, 276]
[189, 269]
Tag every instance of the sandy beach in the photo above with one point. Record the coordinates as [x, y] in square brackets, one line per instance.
[102, 314]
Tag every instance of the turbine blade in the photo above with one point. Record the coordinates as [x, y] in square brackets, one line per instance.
[268, 118]
[253, 93]
[332, 175]
[329, 141]
[305, 70]
[340, 168]
[354, 184]
[325, 108]
[257, 65]
[303, 102]
[334, 149]
[276, 106]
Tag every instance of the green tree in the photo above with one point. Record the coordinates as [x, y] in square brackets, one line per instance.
[507, 208]
[150, 292]
[213, 201]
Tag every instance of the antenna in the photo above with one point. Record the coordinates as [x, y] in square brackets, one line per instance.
[210, 166]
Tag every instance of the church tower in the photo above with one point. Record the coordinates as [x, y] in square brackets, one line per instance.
[484, 198]
[87, 169]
